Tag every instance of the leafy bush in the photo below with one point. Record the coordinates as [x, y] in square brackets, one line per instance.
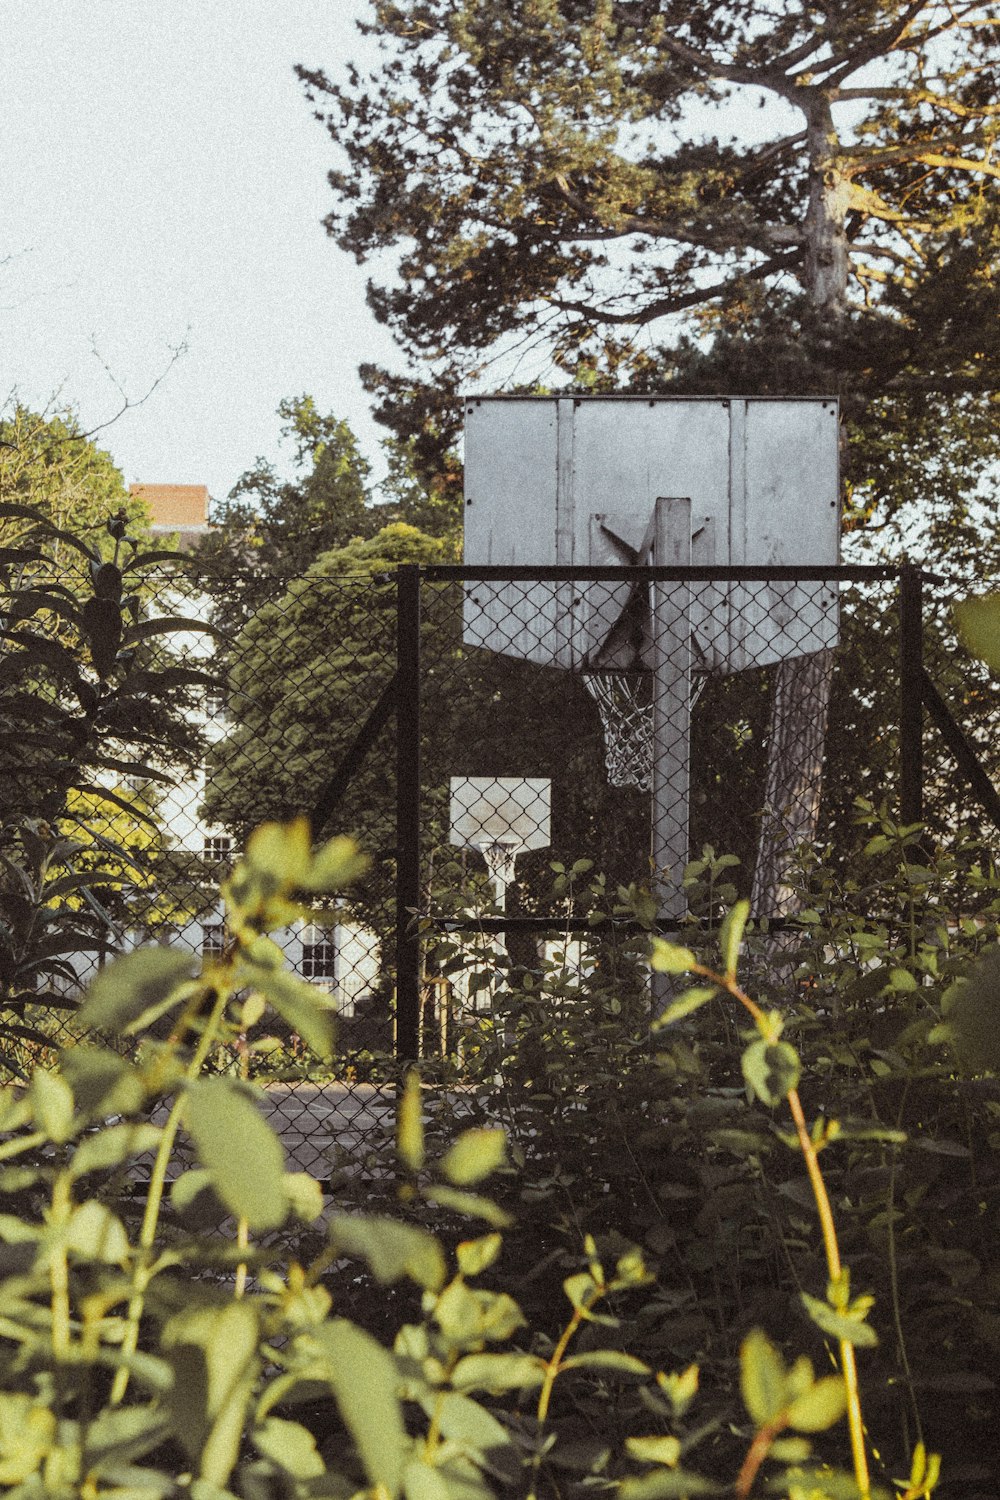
[146, 1356]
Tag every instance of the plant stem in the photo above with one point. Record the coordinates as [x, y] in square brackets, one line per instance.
[242, 1241]
[59, 1267]
[756, 1454]
[848, 1364]
[154, 1199]
[554, 1364]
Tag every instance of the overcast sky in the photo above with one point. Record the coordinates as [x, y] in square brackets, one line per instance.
[163, 182]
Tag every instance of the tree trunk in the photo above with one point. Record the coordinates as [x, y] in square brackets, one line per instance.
[794, 774]
[800, 705]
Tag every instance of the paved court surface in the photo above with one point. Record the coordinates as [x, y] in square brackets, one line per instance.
[315, 1119]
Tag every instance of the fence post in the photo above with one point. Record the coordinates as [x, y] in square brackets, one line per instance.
[407, 810]
[911, 712]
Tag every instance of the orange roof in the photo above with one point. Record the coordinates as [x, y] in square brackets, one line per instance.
[174, 505]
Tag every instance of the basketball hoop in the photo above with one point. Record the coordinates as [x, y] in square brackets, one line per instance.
[627, 721]
[500, 856]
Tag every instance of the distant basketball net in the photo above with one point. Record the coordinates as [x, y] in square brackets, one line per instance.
[626, 708]
[500, 858]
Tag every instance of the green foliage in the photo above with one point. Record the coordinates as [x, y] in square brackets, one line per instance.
[979, 627]
[88, 699]
[151, 1359]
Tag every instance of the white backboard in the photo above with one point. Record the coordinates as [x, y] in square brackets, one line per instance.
[509, 810]
[576, 480]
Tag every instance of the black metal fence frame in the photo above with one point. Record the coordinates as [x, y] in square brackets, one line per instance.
[402, 697]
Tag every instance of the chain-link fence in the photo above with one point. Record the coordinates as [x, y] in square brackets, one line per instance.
[496, 738]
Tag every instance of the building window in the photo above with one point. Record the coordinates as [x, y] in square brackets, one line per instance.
[218, 848]
[319, 953]
[213, 939]
[215, 701]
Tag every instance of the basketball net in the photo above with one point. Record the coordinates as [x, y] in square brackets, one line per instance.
[627, 721]
[500, 857]
[628, 726]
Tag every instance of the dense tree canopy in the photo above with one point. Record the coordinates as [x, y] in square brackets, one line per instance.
[271, 528]
[47, 461]
[600, 180]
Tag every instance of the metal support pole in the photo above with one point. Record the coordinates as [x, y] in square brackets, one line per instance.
[671, 629]
[407, 810]
[911, 716]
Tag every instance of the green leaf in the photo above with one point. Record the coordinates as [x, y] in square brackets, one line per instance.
[467, 1203]
[613, 1360]
[654, 1450]
[113, 1144]
[581, 1290]
[691, 1000]
[133, 985]
[240, 1150]
[121, 1435]
[410, 1124]
[282, 851]
[422, 1482]
[839, 1326]
[971, 1010]
[476, 1256]
[474, 1156]
[669, 1484]
[101, 1080]
[680, 1387]
[363, 1378]
[978, 622]
[167, 625]
[291, 1446]
[819, 1407]
[95, 1233]
[27, 1435]
[498, 1372]
[771, 1070]
[213, 1354]
[335, 865]
[52, 1105]
[671, 958]
[790, 1450]
[305, 1196]
[464, 1421]
[731, 935]
[762, 1378]
[392, 1250]
[470, 1316]
[308, 1010]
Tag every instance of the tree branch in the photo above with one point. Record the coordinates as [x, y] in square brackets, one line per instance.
[874, 46]
[664, 306]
